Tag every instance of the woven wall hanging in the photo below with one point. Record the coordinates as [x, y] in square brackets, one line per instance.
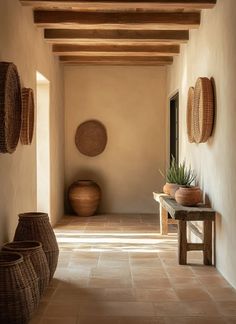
[190, 114]
[91, 138]
[10, 107]
[203, 111]
[27, 126]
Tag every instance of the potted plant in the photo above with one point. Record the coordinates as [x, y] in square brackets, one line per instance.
[179, 179]
[171, 185]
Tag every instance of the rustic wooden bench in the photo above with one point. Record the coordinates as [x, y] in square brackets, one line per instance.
[181, 215]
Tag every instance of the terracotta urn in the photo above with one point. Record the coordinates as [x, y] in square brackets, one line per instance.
[84, 197]
[188, 196]
[170, 189]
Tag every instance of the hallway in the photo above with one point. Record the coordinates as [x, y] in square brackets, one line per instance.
[118, 269]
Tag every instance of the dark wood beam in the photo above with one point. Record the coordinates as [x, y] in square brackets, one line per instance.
[119, 5]
[113, 60]
[115, 36]
[139, 20]
[113, 50]
[72, 36]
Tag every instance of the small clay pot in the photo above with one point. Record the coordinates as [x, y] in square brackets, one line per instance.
[170, 189]
[188, 196]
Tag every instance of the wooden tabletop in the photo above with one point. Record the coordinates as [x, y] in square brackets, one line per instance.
[180, 212]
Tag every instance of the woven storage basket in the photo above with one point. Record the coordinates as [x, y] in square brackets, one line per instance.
[34, 251]
[91, 138]
[10, 107]
[27, 126]
[190, 105]
[36, 226]
[203, 111]
[16, 305]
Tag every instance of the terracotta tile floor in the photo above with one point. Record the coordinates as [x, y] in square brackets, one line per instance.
[118, 269]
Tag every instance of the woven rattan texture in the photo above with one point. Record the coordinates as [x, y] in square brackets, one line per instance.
[36, 226]
[34, 251]
[91, 138]
[10, 107]
[203, 112]
[190, 114]
[16, 303]
[27, 126]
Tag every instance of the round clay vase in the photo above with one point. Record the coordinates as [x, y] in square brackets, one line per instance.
[170, 189]
[84, 197]
[188, 196]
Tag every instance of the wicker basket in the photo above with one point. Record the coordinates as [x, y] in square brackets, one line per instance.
[16, 305]
[203, 112]
[34, 251]
[91, 138]
[36, 226]
[10, 107]
[27, 126]
[190, 105]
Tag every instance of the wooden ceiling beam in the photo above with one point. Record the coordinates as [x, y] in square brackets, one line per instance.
[137, 20]
[119, 5]
[115, 36]
[133, 60]
[113, 50]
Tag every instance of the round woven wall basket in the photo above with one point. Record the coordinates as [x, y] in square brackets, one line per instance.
[190, 114]
[10, 107]
[27, 126]
[91, 138]
[203, 111]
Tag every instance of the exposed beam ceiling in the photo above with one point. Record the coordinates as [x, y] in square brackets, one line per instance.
[121, 5]
[117, 32]
[142, 21]
[128, 36]
[117, 60]
[114, 50]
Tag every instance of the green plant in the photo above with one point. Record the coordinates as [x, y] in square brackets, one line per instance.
[180, 173]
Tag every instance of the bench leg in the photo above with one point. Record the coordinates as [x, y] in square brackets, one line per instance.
[207, 240]
[182, 241]
[163, 221]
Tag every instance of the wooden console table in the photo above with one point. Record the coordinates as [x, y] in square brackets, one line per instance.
[181, 215]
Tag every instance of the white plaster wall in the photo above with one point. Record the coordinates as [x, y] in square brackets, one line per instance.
[211, 53]
[130, 102]
[22, 43]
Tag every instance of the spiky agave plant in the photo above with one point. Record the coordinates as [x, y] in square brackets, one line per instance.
[180, 173]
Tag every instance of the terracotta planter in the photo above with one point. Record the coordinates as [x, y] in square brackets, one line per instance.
[170, 189]
[188, 196]
[84, 197]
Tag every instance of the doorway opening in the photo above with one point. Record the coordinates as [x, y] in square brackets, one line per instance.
[174, 127]
[43, 144]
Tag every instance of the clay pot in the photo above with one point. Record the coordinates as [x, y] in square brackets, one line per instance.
[84, 197]
[188, 196]
[170, 189]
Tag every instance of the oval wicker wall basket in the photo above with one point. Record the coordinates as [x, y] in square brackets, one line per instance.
[10, 107]
[190, 105]
[203, 111]
[91, 138]
[27, 126]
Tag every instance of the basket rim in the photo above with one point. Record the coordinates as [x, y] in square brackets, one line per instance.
[29, 215]
[18, 258]
[12, 246]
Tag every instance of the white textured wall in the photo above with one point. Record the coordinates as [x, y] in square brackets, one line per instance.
[22, 43]
[211, 52]
[130, 102]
